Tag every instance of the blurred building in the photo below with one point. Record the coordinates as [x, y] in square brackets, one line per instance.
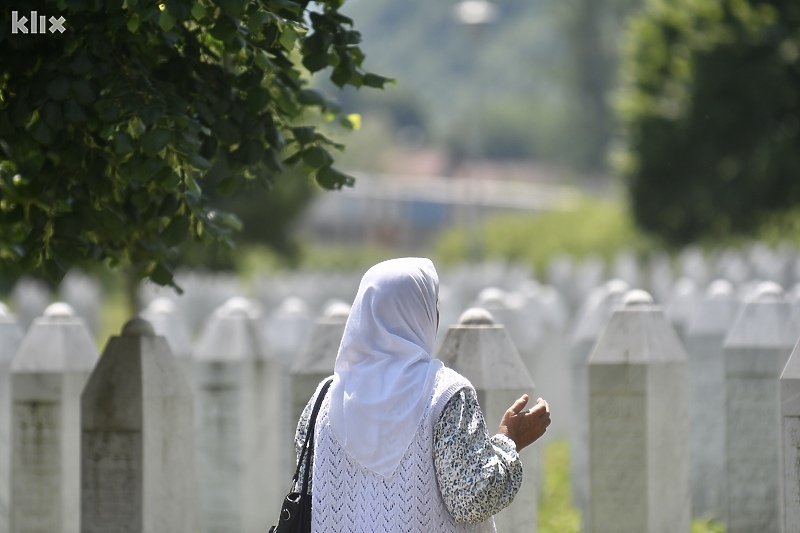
[407, 211]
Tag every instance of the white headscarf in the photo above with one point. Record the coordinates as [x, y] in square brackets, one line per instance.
[384, 372]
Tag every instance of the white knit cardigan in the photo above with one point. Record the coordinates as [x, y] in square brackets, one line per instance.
[350, 498]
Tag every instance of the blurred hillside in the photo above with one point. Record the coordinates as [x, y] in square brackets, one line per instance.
[533, 84]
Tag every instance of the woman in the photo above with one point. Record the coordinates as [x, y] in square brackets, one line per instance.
[400, 441]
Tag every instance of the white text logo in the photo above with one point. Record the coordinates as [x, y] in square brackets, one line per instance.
[38, 23]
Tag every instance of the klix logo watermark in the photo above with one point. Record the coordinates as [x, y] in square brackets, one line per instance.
[36, 24]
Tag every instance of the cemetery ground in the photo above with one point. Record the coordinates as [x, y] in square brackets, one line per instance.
[556, 513]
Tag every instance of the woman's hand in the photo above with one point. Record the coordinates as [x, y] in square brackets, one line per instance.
[525, 427]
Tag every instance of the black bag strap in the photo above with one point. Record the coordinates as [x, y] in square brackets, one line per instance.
[308, 446]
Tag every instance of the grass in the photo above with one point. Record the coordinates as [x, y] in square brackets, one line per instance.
[556, 513]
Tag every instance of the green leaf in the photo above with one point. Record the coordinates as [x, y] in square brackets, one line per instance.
[73, 111]
[304, 134]
[316, 61]
[191, 184]
[198, 11]
[198, 161]
[166, 20]
[152, 111]
[317, 157]
[227, 186]
[375, 81]
[111, 221]
[133, 22]
[58, 89]
[83, 92]
[177, 231]
[226, 131]
[171, 181]
[262, 60]
[311, 97]
[351, 121]
[81, 64]
[154, 141]
[288, 38]
[234, 8]
[330, 178]
[162, 275]
[41, 133]
[123, 143]
[53, 116]
[232, 221]
[258, 98]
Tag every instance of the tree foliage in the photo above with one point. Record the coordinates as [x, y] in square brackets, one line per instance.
[711, 114]
[113, 132]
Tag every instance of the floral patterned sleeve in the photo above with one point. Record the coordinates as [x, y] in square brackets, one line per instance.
[479, 475]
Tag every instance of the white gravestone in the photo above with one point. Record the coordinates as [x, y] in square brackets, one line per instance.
[48, 374]
[790, 444]
[639, 425]
[85, 295]
[705, 336]
[236, 411]
[318, 356]
[682, 304]
[546, 313]
[661, 277]
[592, 319]
[162, 314]
[756, 351]
[137, 439]
[30, 297]
[483, 352]
[10, 339]
[287, 329]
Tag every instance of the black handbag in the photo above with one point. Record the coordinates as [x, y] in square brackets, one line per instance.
[296, 510]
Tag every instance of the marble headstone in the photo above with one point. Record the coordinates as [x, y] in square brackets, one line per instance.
[48, 374]
[137, 439]
[756, 351]
[639, 430]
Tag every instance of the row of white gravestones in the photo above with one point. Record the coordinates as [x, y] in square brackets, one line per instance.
[734, 436]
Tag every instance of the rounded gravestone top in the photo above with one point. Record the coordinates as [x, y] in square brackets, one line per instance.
[492, 297]
[685, 286]
[616, 286]
[59, 310]
[768, 291]
[337, 310]
[293, 306]
[476, 316]
[162, 306]
[719, 288]
[637, 298]
[238, 307]
[138, 326]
